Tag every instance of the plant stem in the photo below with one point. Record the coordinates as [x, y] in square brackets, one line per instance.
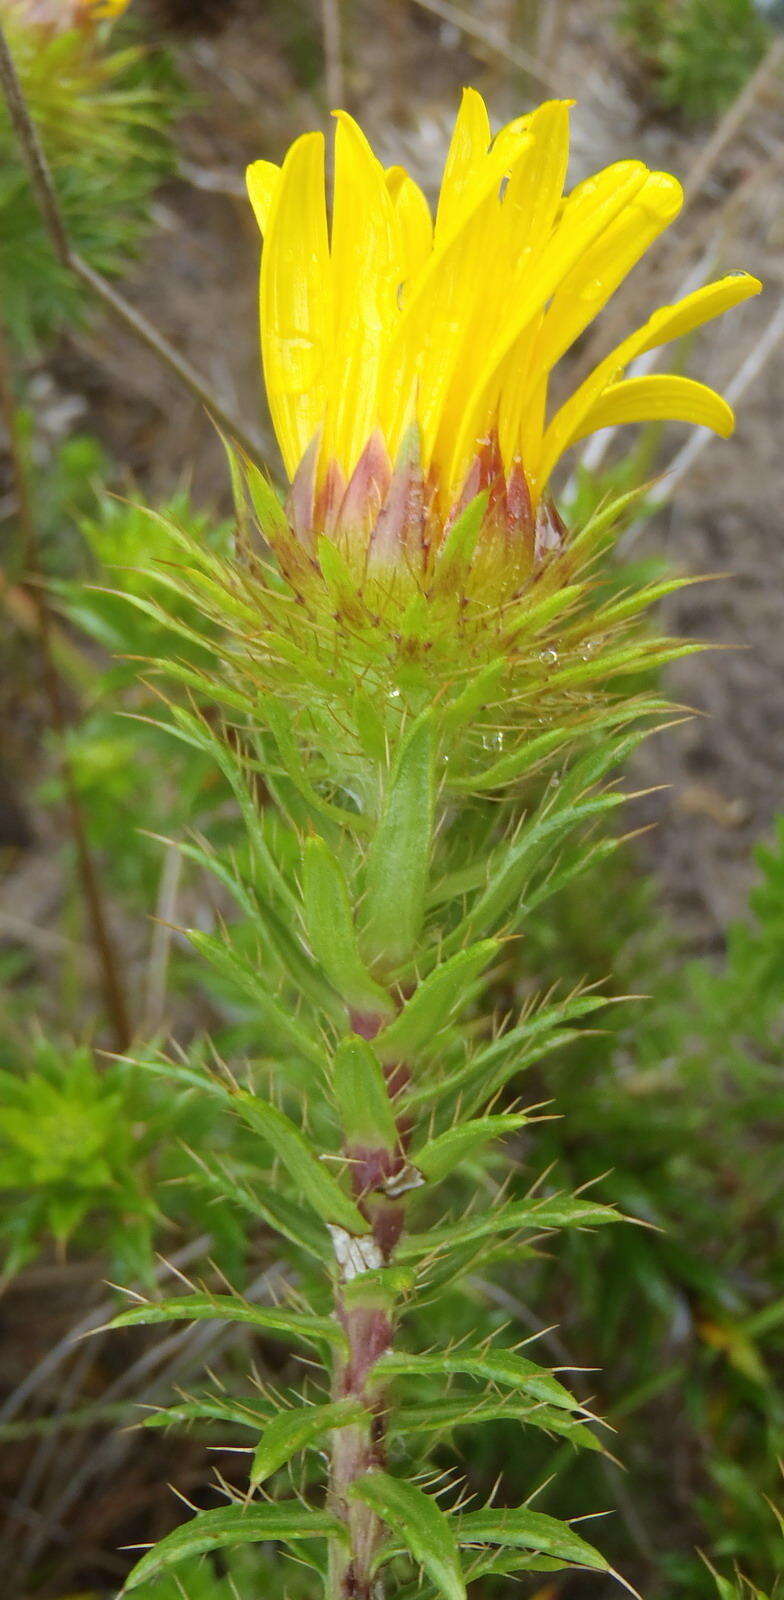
[366, 1315]
[357, 1449]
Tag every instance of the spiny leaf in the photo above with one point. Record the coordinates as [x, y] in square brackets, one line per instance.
[480, 693]
[361, 1093]
[267, 506]
[491, 1067]
[454, 558]
[529, 1530]
[499, 1366]
[534, 846]
[280, 1213]
[217, 866]
[330, 927]
[508, 1564]
[234, 1525]
[229, 1308]
[441, 1155]
[441, 1416]
[529, 754]
[292, 1430]
[279, 1032]
[564, 1211]
[399, 854]
[279, 721]
[433, 1003]
[241, 1414]
[338, 579]
[421, 1525]
[313, 1181]
[202, 737]
[190, 1077]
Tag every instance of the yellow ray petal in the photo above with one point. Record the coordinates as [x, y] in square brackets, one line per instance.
[531, 205]
[534, 192]
[582, 295]
[522, 228]
[658, 397]
[468, 146]
[414, 221]
[294, 299]
[429, 334]
[262, 178]
[669, 322]
[365, 270]
[596, 276]
[586, 214]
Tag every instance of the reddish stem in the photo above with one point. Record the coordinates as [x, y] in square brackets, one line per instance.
[367, 1321]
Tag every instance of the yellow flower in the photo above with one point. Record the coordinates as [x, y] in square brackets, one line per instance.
[103, 10]
[389, 339]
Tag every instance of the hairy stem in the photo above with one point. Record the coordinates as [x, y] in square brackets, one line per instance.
[357, 1449]
[366, 1315]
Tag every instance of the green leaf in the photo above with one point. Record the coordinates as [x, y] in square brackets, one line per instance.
[196, 1077]
[369, 725]
[293, 1429]
[271, 515]
[399, 854]
[454, 558]
[337, 577]
[565, 1211]
[418, 1521]
[234, 1525]
[279, 1031]
[441, 1155]
[441, 1416]
[280, 1213]
[330, 928]
[279, 721]
[229, 1308]
[241, 1414]
[195, 731]
[480, 692]
[517, 763]
[508, 1565]
[361, 1093]
[499, 1366]
[314, 1183]
[434, 1003]
[491, 1067]
[514, 862]
[529, 1530]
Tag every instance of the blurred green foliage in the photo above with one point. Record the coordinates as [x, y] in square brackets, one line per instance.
[681, 1098]
[104, 117]
[96, 1157]
[697, 53]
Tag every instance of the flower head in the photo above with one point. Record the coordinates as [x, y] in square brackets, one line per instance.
[408, 359]
[103, 9]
